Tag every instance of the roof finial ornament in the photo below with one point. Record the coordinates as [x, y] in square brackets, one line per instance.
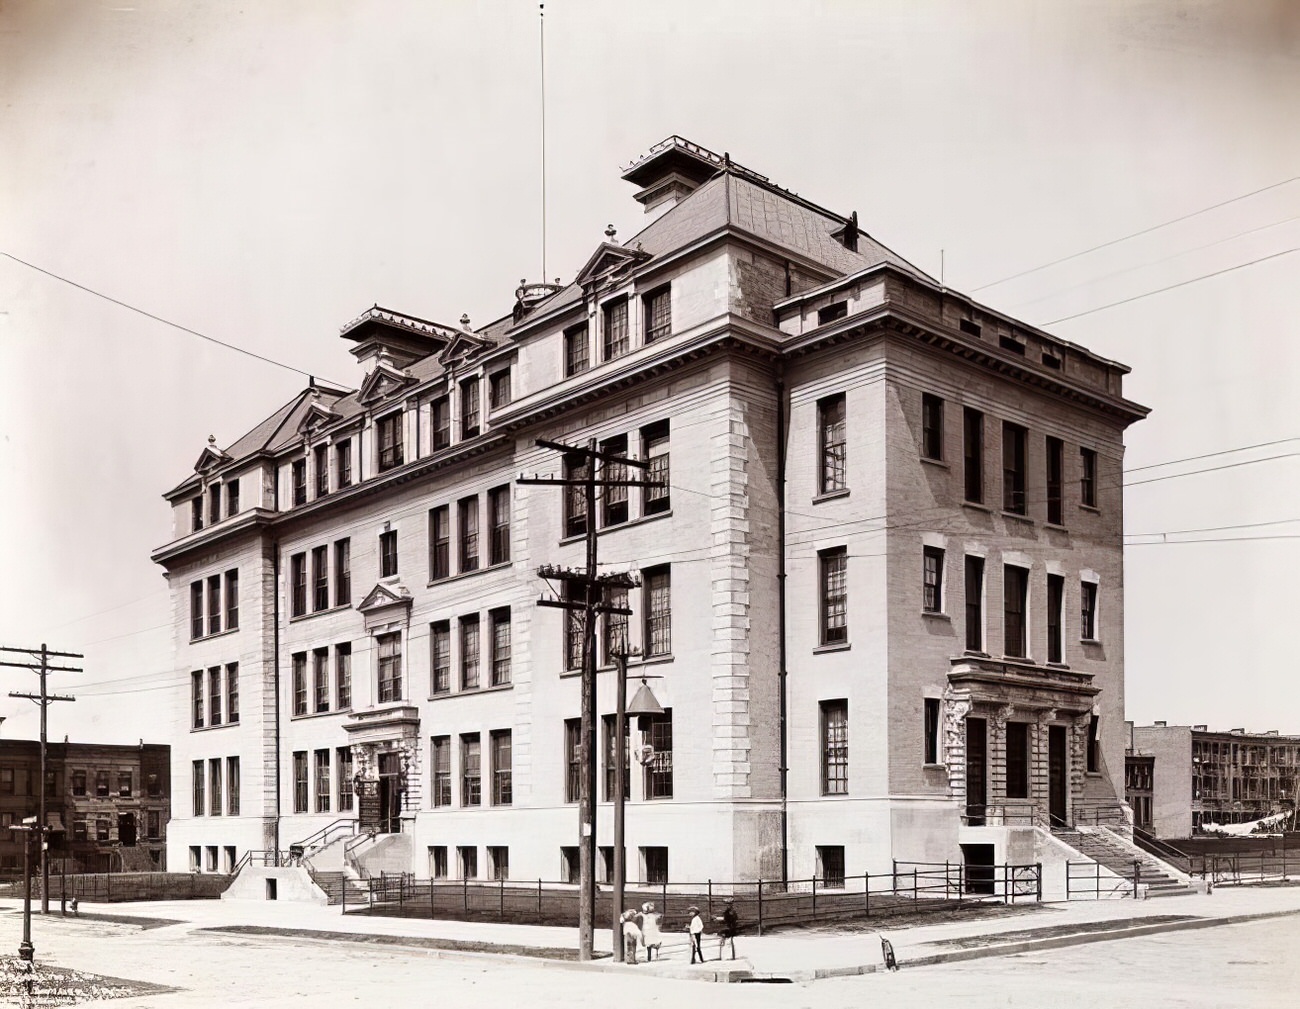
[212, 439]
[610, 232]
[464, 320]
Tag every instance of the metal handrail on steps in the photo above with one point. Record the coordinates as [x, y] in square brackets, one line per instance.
[326, 835]
[350, 858]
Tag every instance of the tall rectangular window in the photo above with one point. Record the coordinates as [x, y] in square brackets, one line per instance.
[973, 454]
[614, 636]
[469, 408]
[440, 657]
[1088, 611]
[575, 496]
[467, 513]
[214, 695]
[232, 787]
[298, 479]
[931, 426]
[572, 759]
[974, 604]
[438, 861]
[609, 730]
[196, 698]
[835, 747]
[498, 861]
[440, 422]
[1017, 760]
[832, 447]
[1092, 753]
[1015, 600]
[1055, 632]
[320, 579]
[834, 569]
[499, 389]
[390, 441]
[469, 652]
[388, 553]
[232, 497]
[1014, 441]
[1087, 478]
[932, 579]
[343, 462]
[390, 667]
[502, 760]
[471, 770]
[439, 543]
[499, 524]
[574, 621]
[232, 692]
[321, 459]
[613, 498]
[931, 741]
[298, 585]
[215, 804]
[467, 856]
[343, 675]
[657, 595]
[198, 777]
[656, 499]
[196, 609]
[441, 771]
[500, 646]
[300, 781]
[1055, 481]
[232, 599]
[320, 679]
[196, 513]
[659, 768]
[615, 328]
[299, 663]
[658, 314]
[343, 572]
[214, 604]
[577, 352]
[343, 759]
[323, 790]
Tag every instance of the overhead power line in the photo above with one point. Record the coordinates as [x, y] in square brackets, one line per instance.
[1136, 234]
[158, 318]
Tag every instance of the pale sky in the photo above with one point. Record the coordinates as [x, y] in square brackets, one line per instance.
[263, 172]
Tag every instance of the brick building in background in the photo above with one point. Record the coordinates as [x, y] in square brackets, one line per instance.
[883, 584]
[111, 803]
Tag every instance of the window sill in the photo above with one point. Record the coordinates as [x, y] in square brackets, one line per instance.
[215, 725]
[469, 574]
[219, 634]
[934, 767]
[654, 660]
[320, 613]
[839, 646]
[471, 691]
[975, 653]
[1056, 527]
[629, 524]
[319, 714]
[831, 495]
[978, 506]
[1089, 508]
[1017, 517]
[937, 615]
[935, 462]
[1090, 641]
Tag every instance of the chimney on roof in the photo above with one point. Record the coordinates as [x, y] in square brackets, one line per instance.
[1160, 725]
[1200, 728]
[671, 171]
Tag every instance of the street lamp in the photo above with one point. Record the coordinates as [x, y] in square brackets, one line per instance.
[26, 951]
[644, 703]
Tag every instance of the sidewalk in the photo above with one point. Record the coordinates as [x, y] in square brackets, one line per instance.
[799, 955]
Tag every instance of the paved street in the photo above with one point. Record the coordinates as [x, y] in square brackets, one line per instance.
[1234, 965]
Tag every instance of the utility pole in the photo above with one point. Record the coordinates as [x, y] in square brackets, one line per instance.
[44, 698]
[593, 602]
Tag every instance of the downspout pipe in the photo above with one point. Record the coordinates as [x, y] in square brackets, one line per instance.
[275, 678]
[781, 407]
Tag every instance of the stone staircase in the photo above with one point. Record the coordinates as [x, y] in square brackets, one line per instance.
[1113, 853]
[336, 884]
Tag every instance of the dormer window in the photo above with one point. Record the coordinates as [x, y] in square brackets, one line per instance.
[658, 314]
[232, 497]
[390, 441]
[343, 462]
[321, 456]
[469, 408]
[499, 389]
[214, 504]
[441, 412]
[830, 313]
[616, 337]
[577, 352]
[196, 513]
[299, 474]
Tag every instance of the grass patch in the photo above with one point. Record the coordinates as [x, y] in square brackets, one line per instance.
[419, 942]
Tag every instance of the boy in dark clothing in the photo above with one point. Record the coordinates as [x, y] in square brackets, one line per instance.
[730, 925]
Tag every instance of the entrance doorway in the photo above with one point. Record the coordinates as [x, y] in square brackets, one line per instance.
[976, 770]
[390, 793]
[126, 833]
[980, 874]
[1057, 769]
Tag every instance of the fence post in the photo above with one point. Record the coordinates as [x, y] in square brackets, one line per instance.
[401, 891]
[464, 893]
[501, 910]
[947, 885]
[539, 898]
[814, 910]
[709, 904]
[866, 895]
[895, 877]
[914, 889]
[343, 887]
[1137, 877]
[1038, 877]
[760, 906]
[664, 905]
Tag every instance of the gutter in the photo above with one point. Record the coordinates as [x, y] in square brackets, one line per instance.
[783, 721]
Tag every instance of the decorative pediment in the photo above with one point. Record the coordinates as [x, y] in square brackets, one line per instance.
[317, 415]
[609, 259]
[212, 457]
[383, 596]
[384, 381]
[463, 348]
